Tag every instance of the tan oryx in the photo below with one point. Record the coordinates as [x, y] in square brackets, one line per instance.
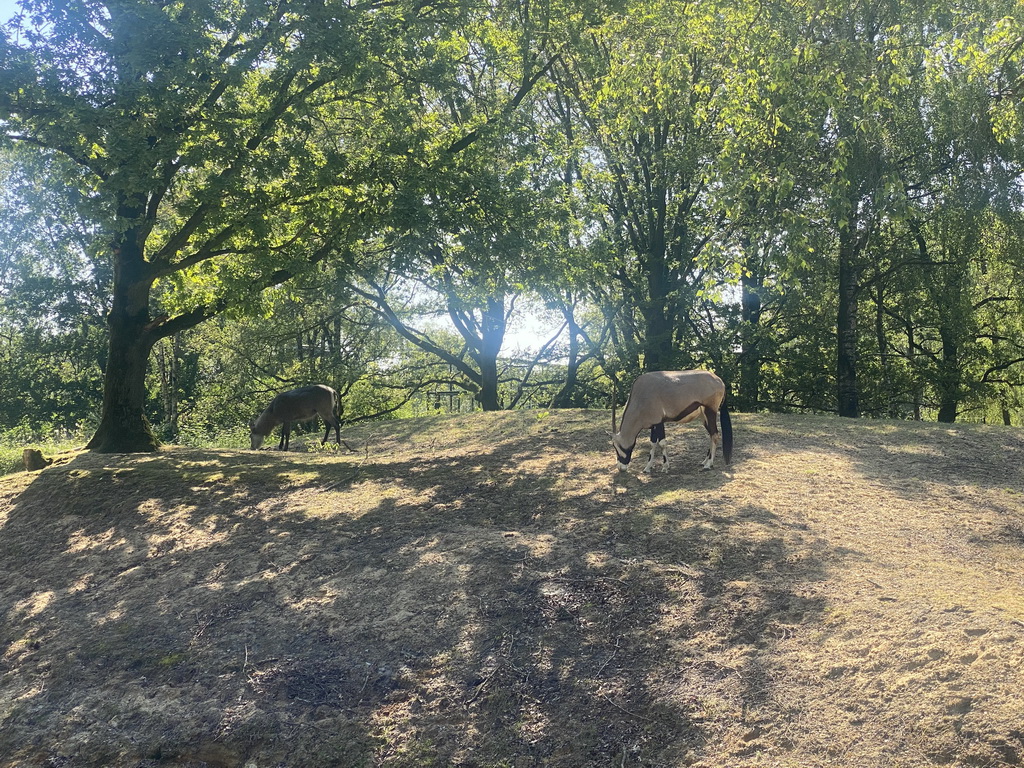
[300, 404]
[681, 396]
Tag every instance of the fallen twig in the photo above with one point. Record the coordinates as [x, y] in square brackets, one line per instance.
[608, 660]
[631, 714]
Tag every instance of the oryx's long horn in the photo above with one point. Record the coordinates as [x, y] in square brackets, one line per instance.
[615, 429]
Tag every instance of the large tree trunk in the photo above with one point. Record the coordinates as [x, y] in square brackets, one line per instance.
[487, 396]
[658, 345]
[123, 425]
[492, 335]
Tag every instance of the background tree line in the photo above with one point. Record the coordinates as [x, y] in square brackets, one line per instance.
[204, 203]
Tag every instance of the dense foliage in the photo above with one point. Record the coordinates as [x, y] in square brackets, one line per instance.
[823, 202]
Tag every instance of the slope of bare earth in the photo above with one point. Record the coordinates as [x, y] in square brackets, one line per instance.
[485, 591]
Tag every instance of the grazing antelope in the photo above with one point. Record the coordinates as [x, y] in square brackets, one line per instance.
[681, 396]
[300, 404]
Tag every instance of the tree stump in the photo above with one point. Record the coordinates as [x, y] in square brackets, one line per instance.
[33, 459]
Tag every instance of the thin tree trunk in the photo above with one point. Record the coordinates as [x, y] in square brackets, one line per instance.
[172, 414]
[949, 376]
[564, 397]
[750, 349]
[167, 360]
[846, 326]
[888, 389]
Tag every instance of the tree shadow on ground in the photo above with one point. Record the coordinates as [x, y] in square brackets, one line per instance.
[458, 607]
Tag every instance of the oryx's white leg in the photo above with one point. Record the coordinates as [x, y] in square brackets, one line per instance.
[649, 467]
[710, 460]
[657, 451]
[657, 446]
[711, 424]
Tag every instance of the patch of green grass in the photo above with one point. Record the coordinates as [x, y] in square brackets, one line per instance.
[171, 659]
[13, 443]
[10, 459]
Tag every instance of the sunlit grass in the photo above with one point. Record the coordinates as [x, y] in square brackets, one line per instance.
[14, 442]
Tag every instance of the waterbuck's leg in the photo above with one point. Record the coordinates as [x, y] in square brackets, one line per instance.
[711, 424]
[335, 422]
[286, 436]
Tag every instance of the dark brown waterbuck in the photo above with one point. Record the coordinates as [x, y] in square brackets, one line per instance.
[300, 404]
[681, 396]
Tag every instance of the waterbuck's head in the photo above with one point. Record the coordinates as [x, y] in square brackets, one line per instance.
[255, 439]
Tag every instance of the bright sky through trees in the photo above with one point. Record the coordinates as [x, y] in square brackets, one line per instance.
[7, 9]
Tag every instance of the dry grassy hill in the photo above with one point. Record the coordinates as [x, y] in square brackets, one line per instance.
[485, 591]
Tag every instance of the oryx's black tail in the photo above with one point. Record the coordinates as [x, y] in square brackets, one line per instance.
[723, 413]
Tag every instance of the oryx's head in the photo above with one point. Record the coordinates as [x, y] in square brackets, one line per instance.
[622, 452]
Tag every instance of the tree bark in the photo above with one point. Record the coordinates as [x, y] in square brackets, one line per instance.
[566, 394]
[488, 394]
[168, 362]
[175, 409]
[123, 426]
[888, 388]
[949, 376]
[846, 326]
[658, 346]
[750, 348]
[488, 346]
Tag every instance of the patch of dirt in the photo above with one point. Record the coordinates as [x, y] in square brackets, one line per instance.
[485, 590]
